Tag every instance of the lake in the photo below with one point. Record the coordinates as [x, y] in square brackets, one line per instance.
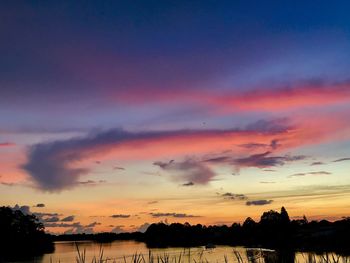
[66, 252]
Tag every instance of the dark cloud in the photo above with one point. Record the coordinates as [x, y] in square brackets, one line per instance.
[120, 216]
[152, 202]
[68, 219]
[261, 160]
[188, 184]
[342, 160]
[317, 163]
[93, 224]
[273, 145]
[50, 219]
[220, 159]
[264, 160]
[92, 182]
[189, 170]
[40, 205]
[234, 196]
[45, 214]
[310, 173]
[176, 215]
[259, 202]
[118, 168]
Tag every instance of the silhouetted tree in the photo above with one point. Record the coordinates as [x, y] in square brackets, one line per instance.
[20, 232]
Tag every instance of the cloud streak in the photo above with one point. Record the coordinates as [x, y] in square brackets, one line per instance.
[175, 215]
[53, 165]
[259, 202]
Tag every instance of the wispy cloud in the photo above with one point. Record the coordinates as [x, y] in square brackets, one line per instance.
[68, 219]
[176, 215]
[310, 173]
[259, 202]
[189, 170]
[317, 163]
[120, 216]
[188, 184]
[342, 159]
[233, 196]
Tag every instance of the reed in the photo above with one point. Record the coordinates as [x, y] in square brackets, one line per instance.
[185, 257]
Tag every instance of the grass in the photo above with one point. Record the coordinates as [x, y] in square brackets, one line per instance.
[259, 256]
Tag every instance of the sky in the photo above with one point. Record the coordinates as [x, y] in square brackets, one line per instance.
[118, 114]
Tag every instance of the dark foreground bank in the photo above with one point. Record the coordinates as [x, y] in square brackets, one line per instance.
[25, 233]
[274, 230]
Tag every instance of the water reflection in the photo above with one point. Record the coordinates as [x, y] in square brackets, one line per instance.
[65, 252]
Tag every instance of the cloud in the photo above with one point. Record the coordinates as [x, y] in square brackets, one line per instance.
[53, 165]
[55, 224]
[40, 205]
[264, 160]
[342, 160]
[261, 160]
[68, 219]
[188, 184]
[93, 224]
[189, 170]
[259, 202]
[176, 215]
[92, 182]
[310, 173]
[233, 196]
[317, 163]
[120, 216]
[74, 228]
[50, 219]
[267, 182]
[118, 168]
[45, 214]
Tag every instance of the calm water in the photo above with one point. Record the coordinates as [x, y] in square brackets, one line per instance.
[66, 252]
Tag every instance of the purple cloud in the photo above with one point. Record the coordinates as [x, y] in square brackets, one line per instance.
[189, 170]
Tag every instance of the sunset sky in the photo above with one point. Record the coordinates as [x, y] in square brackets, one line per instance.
[118, 114]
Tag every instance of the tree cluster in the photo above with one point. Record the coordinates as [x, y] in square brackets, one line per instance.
[22, 234]
[274, 230]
